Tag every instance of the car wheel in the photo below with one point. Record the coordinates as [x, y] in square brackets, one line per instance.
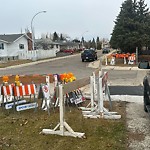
[82, 60]
[146, 101]
[145, 109]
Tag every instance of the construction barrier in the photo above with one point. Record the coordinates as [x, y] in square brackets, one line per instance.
[14, 93]
[66, 87]
[127, 58]
[62, 128]
[97, 110]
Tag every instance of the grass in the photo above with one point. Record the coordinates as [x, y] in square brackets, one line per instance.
[20, 131]
[13, 63]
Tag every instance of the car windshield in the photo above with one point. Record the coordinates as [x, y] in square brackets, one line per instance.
[88, 51]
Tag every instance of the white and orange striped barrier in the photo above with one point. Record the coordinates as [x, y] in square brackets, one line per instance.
[7, 90]
[24, 90]
[11, 96]
[131, 60]
[6, 93]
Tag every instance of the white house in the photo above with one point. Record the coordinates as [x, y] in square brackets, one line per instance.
[19, 46]
[11, 45]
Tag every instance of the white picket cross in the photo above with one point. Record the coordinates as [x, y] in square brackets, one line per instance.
[101, 111]
[64, 128]
[92, 105]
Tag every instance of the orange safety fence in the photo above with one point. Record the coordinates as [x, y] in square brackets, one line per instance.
[127, 55]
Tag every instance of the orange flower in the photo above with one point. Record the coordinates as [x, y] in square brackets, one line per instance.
[5, 78]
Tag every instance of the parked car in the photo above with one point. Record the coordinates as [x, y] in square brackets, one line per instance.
[146, 84]
[105, 51]
[89, 54]
[71, 51]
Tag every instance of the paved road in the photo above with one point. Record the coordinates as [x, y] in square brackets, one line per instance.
[58, 65]
[126, 90]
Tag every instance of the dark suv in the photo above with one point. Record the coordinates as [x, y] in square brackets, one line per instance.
[89, 54]
[105, 51]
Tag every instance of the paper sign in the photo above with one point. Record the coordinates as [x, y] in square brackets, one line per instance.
[10, 105]
[26, 106]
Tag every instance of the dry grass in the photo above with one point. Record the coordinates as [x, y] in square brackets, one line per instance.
[13, 63]
[20, 131]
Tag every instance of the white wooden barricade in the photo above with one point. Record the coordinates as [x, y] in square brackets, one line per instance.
[63, 128]
[100, 111]
[92, 105]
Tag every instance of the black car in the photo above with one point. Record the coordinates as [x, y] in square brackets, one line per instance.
[146, 83]
[105, 51]
[89, 54]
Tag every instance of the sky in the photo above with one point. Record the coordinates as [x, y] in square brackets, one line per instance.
[75, 18]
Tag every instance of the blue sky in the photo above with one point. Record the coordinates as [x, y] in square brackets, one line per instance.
[69, 17]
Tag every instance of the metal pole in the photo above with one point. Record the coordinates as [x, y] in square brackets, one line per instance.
[32, 27]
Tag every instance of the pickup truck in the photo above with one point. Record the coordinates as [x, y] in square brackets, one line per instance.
[146, 83]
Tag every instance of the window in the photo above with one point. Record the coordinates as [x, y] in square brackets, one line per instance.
[21, 46]
[1, 45]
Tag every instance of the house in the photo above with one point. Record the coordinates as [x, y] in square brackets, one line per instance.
[12, 44]
[47, 44]
[19, 46]
[69, 45]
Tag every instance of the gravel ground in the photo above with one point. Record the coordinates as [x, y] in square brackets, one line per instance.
[138, 122]
[138, 126]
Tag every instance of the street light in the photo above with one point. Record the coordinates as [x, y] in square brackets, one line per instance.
[82, 37]
[32, 27]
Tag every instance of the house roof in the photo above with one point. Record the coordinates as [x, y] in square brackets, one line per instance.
[69, 43]
[46, 41]
[10, 37]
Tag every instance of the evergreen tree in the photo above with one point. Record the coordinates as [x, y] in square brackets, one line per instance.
[55, 37]
[76, 41]
[93, 44]
[98, 43]
[129, 30]
[61, 37]
[144, 24]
